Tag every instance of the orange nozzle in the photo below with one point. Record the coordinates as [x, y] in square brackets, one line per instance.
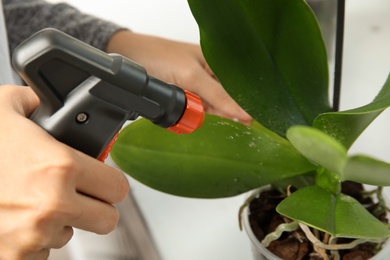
[192, 117]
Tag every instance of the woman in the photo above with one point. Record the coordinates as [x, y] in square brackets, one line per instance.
[46, 187]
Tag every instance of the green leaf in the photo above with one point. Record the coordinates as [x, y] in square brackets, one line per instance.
[367, 170]
[318, 147]
[346, 126]
[269, 55]
[338, 215]
[222, 158]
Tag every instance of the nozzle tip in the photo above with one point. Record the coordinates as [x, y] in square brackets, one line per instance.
[192, 117]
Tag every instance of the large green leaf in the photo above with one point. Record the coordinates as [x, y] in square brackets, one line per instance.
[346, 126]
[367, 170]
[318, 147]
[269, 55]
[338, 215]
[222, 158]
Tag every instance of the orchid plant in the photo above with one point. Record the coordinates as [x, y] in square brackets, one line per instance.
[271, 58]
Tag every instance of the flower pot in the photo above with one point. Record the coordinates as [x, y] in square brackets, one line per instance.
[260, 252]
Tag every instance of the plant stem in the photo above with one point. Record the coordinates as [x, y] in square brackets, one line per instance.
[286, 227]
[321, 252]
[382, 207]
[334, 253]
[338, 54]
[319, 244]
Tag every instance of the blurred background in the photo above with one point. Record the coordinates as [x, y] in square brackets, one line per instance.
[194, 229]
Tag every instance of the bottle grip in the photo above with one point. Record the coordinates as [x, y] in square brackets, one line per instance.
[103, 156]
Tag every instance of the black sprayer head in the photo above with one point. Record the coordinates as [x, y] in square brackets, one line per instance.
[87, 95]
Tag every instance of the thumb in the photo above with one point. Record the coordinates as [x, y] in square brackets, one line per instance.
[25, 100]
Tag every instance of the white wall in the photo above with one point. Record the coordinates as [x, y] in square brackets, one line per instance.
[366, 67]
[167, 18]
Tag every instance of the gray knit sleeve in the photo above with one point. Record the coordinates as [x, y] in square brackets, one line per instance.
[25, 17]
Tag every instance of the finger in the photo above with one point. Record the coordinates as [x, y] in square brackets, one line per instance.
[61, 238]
[217, 101]
[208, 70]
[27, 101]
[101, 181]
[50, 234]
[94, 215]
[43, 254]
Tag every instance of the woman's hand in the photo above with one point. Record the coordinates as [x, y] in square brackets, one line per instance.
[46, 187]
[181, 64]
